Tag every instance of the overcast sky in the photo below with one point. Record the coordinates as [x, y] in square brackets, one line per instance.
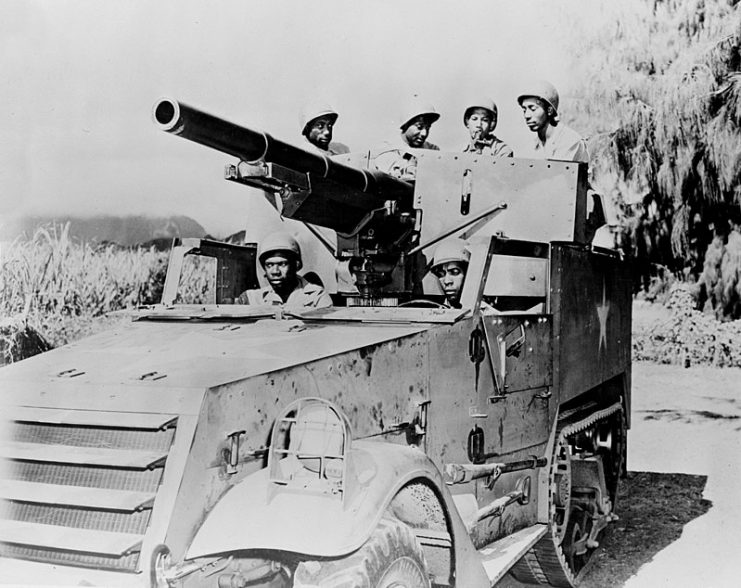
[79, 79]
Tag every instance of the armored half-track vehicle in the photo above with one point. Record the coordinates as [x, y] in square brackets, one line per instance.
[385, 441]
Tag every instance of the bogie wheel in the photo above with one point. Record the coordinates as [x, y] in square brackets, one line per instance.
[561, 488]
[611, 447]
[391, 558]
[575, 542]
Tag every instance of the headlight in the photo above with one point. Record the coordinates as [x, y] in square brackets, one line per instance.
[309, 446]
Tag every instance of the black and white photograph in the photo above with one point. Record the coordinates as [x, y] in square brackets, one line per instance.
[386, 294]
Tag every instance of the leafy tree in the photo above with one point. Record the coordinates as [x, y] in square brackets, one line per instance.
[661, 91]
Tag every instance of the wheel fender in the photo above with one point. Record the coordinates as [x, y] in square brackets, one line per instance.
[255, 514]
[252, 515]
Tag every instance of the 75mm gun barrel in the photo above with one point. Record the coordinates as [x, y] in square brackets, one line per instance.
[250, 145]
[372, 212]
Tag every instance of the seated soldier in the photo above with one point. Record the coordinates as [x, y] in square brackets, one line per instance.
[449, 264]
[280, 257]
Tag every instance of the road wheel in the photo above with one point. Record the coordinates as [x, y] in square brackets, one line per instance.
[575, 542]
[391, 558]
[610, 442]
[561, 488]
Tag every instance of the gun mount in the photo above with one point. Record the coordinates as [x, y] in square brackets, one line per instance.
[371, 211]
[383, 223]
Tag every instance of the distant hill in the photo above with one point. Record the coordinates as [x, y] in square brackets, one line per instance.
[126, 231]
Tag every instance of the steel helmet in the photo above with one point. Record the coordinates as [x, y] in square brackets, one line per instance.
[313, 111]
[279, 242]
[482, 102]
[417, 108]
[540, 89]
[451, 250]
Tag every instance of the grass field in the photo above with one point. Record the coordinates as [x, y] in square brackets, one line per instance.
[65, 290]
[59, 287]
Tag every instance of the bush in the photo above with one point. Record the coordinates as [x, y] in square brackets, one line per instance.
[18, 341]
[689, 336]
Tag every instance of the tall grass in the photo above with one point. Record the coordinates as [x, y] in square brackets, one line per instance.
[58, 286]
[197, 281]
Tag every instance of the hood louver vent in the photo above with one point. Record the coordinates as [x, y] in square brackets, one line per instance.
[80, 485]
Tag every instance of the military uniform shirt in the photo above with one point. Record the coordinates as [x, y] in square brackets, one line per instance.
[333, 149]
[565, 144]
[427, 145]
[304, 295]
[398, 160]
[338, 148]
[498, 148]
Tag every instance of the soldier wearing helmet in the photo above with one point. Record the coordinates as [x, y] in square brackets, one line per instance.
[480, 118]
[539, 103]
[415, 122]
[449, 264]
[317, 125]
[279, 255]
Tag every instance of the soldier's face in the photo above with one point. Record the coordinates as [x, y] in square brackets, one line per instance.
[451, 276]
[320, 131]
[480, 122]
[280, 270]
[535, 112]
[417, 131]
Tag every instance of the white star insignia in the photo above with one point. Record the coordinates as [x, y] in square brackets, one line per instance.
[602, 312]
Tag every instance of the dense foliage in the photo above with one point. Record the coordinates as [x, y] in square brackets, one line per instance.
[661, 94]
[58, 286]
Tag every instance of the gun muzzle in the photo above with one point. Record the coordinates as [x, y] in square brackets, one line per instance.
[249, 145]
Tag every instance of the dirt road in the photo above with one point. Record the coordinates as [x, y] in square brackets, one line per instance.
[680, 507]
[688, 421]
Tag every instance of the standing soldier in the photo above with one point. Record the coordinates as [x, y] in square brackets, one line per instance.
[317, 124]
[280, 256]
[539, 103]
[480, 118]
[414, 123]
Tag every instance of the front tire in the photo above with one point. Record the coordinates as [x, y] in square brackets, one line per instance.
[391, 558]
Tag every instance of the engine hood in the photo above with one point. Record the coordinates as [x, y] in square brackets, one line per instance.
[192, 354]
[111, 421]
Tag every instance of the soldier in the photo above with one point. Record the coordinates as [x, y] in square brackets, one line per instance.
[449, 264]
[279, 255]
[539, 103]
[414, 123]
[480, 118]
[317, 124]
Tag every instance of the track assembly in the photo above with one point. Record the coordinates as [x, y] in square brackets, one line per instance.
[587, 461]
